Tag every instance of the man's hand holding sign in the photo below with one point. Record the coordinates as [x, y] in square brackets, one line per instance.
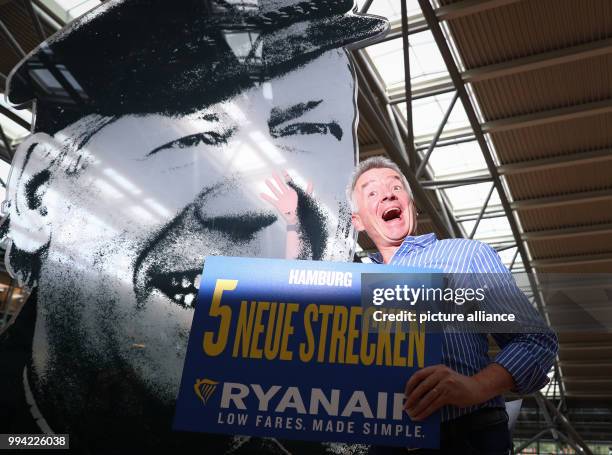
[433, 387]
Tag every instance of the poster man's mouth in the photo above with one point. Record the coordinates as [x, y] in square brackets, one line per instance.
[172, 260]
[180, 287]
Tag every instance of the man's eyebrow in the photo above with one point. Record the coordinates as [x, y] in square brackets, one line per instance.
[394, 177]
[278, 115]
[366, 184]
[210, 117]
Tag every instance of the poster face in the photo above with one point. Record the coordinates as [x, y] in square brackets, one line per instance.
[285, 349]
[163, 134]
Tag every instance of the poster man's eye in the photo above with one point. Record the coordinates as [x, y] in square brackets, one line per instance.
[208, 138]
[309, 128]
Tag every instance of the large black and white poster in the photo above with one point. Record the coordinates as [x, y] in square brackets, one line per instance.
[165, 132]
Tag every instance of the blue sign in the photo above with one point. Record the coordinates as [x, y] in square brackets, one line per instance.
[285, 349]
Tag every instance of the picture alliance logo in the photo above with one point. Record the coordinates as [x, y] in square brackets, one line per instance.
[316, 402]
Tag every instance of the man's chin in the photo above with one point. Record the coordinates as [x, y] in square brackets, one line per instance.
[395, 234]
[158, 332]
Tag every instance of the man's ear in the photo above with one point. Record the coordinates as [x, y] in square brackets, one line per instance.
[356, 220]
[27, 192]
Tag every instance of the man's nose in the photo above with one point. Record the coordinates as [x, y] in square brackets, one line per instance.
[389, 195]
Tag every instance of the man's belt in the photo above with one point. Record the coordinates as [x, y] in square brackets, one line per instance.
[481, 418]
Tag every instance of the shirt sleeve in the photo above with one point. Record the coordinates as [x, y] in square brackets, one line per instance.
[528, 357]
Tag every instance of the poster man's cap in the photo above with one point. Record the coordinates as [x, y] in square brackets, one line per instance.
[145, 56]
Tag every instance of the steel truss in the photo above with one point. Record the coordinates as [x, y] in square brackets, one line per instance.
[415, 165]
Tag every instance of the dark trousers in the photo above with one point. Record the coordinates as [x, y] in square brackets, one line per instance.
[483, 432]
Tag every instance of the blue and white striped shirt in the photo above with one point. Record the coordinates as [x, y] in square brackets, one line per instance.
[528, 357]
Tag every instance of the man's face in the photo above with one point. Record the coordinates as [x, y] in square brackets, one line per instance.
[385, 209]
[157, 194]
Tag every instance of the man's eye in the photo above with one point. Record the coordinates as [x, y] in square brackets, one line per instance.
[310, 128]
[397, 188]
[208, 138]
[372, 193]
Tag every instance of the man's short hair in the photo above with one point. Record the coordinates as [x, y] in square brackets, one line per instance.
[375, 162]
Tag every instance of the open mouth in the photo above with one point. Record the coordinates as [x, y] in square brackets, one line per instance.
[176, 271]
[180, 287]
[391, 214]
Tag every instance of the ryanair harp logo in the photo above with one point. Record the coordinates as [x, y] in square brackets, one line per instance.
[204, 388]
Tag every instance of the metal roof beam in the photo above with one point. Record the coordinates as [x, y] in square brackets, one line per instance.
[572, 260]
[366, 6]
[434, 141]
[48, 20]
[416, 24]
[366, 151]
[580, 231]
[6, 143]
[450, 183]
[439, 86]
[538, 61]
[444, 85]
[588, 395]
[35, 20]
[542, 164]
[15, 118]
[407, 121]
[549, 116]
[566, 199]
[453, 71]
[4, 156]
[372, 78]
[12, 41]
[472, 213]
[469, 7]
[503, 246]
[48, 12]
[448, 137]
[588, 363]
[446, 142]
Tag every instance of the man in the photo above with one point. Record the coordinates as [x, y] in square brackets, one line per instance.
[467, 388]
[157, 126]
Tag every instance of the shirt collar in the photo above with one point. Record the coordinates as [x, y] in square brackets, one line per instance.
[409, 243]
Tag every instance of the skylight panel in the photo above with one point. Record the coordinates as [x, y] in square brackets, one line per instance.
[14, 132]
[491, 230]
[388, 58]
[471, 197]
[427, 114]
[507, 256]
[425, 59]
[457, 161]
[67, 10]
[391, 9]
[426, 63]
